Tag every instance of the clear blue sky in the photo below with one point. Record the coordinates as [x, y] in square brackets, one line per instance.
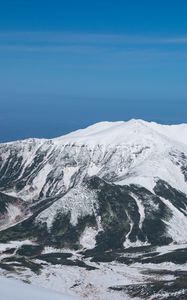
[66, 64]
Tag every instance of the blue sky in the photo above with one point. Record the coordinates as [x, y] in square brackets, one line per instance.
[66, 64]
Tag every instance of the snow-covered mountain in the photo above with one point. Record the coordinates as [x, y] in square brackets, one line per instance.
[100, 212]
[111, 184]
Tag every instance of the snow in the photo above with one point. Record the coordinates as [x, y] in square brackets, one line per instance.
[140, 209]
[86, 284]
[129, 152]
[177, 225]
[68, 281]
[87, 239]
[129, 244]
[120, 132]
[170, 248]
[12, 245]
[93, 169]
[68, 173]
[13, 212]
[12, 216]
[17, 290]
[124, 153]
[77, 207]
[158, 165]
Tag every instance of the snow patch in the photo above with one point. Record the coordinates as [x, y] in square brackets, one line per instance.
[78, 202]
[87, 239]
[177, 225]
[17, 290]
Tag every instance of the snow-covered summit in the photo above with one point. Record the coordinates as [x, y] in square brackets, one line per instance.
[135, 151]
[115, 133]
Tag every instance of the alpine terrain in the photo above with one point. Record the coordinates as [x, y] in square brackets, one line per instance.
[100, 213]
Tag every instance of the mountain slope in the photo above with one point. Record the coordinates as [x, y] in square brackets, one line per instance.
[111, 184]
[13, 289]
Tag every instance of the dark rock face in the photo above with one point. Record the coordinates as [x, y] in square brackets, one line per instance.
[119, 218]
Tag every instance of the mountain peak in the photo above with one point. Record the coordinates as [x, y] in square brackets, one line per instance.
[135, 151]
[122, 132]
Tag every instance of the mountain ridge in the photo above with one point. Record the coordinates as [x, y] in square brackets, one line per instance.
[108, 125]
[96, 206]
[134, 160]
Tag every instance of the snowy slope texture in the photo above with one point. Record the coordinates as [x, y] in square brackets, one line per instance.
[12, 210]
[14, 289]
[111, 184]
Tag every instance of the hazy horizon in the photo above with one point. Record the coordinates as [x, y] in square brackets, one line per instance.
[33, 116]
[69, 64]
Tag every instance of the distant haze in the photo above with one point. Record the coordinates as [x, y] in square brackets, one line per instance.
[55, 115]
[68, 64]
